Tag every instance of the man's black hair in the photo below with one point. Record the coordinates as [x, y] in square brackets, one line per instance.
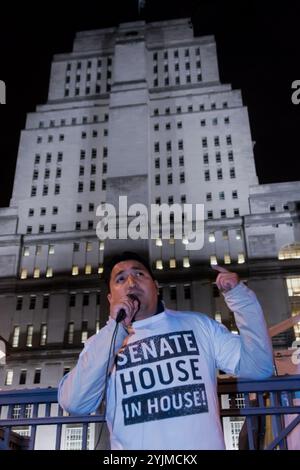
[125, 256]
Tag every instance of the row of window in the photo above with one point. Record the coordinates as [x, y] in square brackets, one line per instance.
[165, 66]
[223, 214]
[45, 190]
[29, 335]
[39, 139]
[170, 179]
[169, 162]
[53, 227]
[88, 76]
[88, 90]
[228, 140]
[63, 122]
[46, 297]
[171, 200]
[88, 269]
[176, 52]
[43, 211]
[207, 177]
[212, 235]
[168, 125]
[80, 188]
[47, 173]
[37, 158]
[93, 153]
[89, 63]
[190, 108]
[173, 263]
[61, 137]
[88, 246]
[93, 169]
[221, 195]
[43, 331]
[178, 80]
[168, 146]
[22, 381]
[273, 207]
[207, 174]
[211, 238]
[92, 186]
[180, 143]
[218, 157]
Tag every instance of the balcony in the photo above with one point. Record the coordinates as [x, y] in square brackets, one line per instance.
[269, 408]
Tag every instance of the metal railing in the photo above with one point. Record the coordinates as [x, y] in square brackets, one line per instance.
[273, 398]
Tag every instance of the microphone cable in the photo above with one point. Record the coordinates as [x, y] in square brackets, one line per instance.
[120, 317]
[104, 396]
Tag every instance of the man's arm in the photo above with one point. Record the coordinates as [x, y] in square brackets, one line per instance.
[80, 391]
[248, 354]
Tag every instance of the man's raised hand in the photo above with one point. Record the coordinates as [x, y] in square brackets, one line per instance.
[225, 279]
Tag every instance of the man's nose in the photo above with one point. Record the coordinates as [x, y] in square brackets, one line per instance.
[131, 280]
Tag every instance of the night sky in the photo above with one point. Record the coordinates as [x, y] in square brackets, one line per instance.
[258, 46]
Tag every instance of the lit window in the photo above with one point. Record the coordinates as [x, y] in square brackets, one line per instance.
[89, 246]
[185, 240]
[159, 264]
[238, 234]
[75, 271]
[26, 251]
[293, 285]
[213, 260]
[290, 252]
[100, 269]
[23, 274]
[70, 333]
[172, 263]
[88, 269]
[51, 249]
[9, 377]
[241, 258]
[227, 259]
[36, 273]
[84, 331]
[225, 234]
[101, 246]
[38, 250]
[29, 336]
[186, 262]
[158, 242]
[16, 337]
[49, 272]
[211, 237]
[43, 335]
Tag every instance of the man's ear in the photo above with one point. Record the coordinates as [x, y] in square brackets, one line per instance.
[157, 287]
[109, 297]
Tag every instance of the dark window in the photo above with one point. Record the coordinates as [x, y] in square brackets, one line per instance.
[187, 291]
[85, 300]
[19, 303]
[45, 301]
[37, 376]
[72, 300]
[23, 377]
[173, 293]
[32, 302]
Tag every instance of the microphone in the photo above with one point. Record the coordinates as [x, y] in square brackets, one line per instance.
[122, 314]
